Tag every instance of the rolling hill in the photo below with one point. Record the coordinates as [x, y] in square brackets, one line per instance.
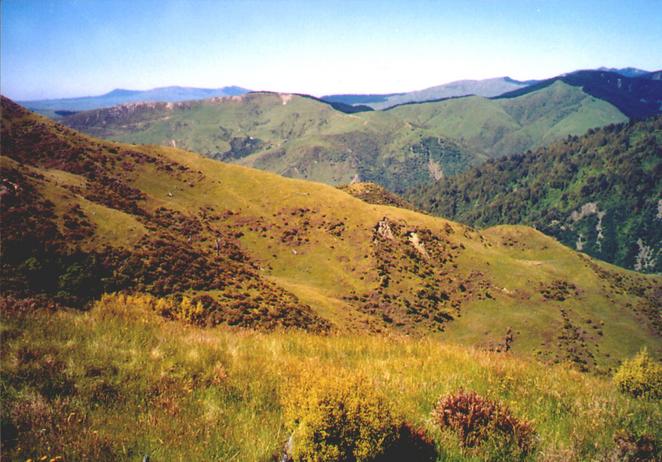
[599, 193]
[292, 135]
[222, 244]
[503, 126]
[64, 106]
[302, 137]
[486, 88]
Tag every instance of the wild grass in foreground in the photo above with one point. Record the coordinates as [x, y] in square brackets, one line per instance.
[119, 382]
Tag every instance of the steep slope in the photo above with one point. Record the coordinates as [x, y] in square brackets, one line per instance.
[292, 135]
[487, 88]
[63, 106]
[82, 216]
[636, 97]
[599, 193]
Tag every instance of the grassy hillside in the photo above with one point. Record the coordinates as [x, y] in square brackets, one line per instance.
[500, 127]
[291, 135]
[253, 249]
[119, 382]
[304, 138]
[599, 193]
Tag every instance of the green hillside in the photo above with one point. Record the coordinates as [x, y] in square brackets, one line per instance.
[291, 135]
[599, 193]
[254, 249]
[501, 127]
[301, 137]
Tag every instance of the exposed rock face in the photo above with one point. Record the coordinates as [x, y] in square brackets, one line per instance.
[384, 230]
[586, 210]
[646, 258]
[435, 170]
[418, 244]
[590, 208]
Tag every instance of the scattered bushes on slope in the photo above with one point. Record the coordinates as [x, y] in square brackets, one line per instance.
[640, 376]
[338, 418]
[479, 421]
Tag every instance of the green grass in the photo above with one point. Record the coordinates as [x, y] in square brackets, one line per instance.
[143, 385]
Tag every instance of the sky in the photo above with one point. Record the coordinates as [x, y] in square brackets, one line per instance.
[68, 48]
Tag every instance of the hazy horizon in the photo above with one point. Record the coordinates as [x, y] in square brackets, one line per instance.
[64, 49]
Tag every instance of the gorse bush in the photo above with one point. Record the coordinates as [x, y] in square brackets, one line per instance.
[477, 421]
[335, 418]
[640, 376]
[133, 305]
[342, 418]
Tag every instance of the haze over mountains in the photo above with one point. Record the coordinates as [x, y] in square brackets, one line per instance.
[55, 107]
[486, 87]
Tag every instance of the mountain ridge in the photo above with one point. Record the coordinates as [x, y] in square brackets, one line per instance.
[641, 98]
[485, 87]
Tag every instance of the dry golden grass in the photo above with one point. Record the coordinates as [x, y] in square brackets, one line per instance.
[120, 381]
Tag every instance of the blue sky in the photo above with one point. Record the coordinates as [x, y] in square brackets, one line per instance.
[63, 48]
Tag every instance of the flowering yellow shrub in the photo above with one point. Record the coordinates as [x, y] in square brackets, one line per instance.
[189, 311]
[135, 306]
[640, 376]
[337, 418]
[118, 305]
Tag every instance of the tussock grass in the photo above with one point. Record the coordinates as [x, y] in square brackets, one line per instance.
[119, 381]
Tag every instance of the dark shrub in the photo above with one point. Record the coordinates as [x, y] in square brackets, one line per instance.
[477, 420]
[633, 448]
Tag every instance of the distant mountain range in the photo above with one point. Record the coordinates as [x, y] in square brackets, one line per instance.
[64, 106]
[349, 103]
[627, 71]
[488, 88]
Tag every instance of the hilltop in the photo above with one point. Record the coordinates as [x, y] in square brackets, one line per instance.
[599, 193]
[375, 194]
[252, 249]
[119, 382]
[302, 137]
